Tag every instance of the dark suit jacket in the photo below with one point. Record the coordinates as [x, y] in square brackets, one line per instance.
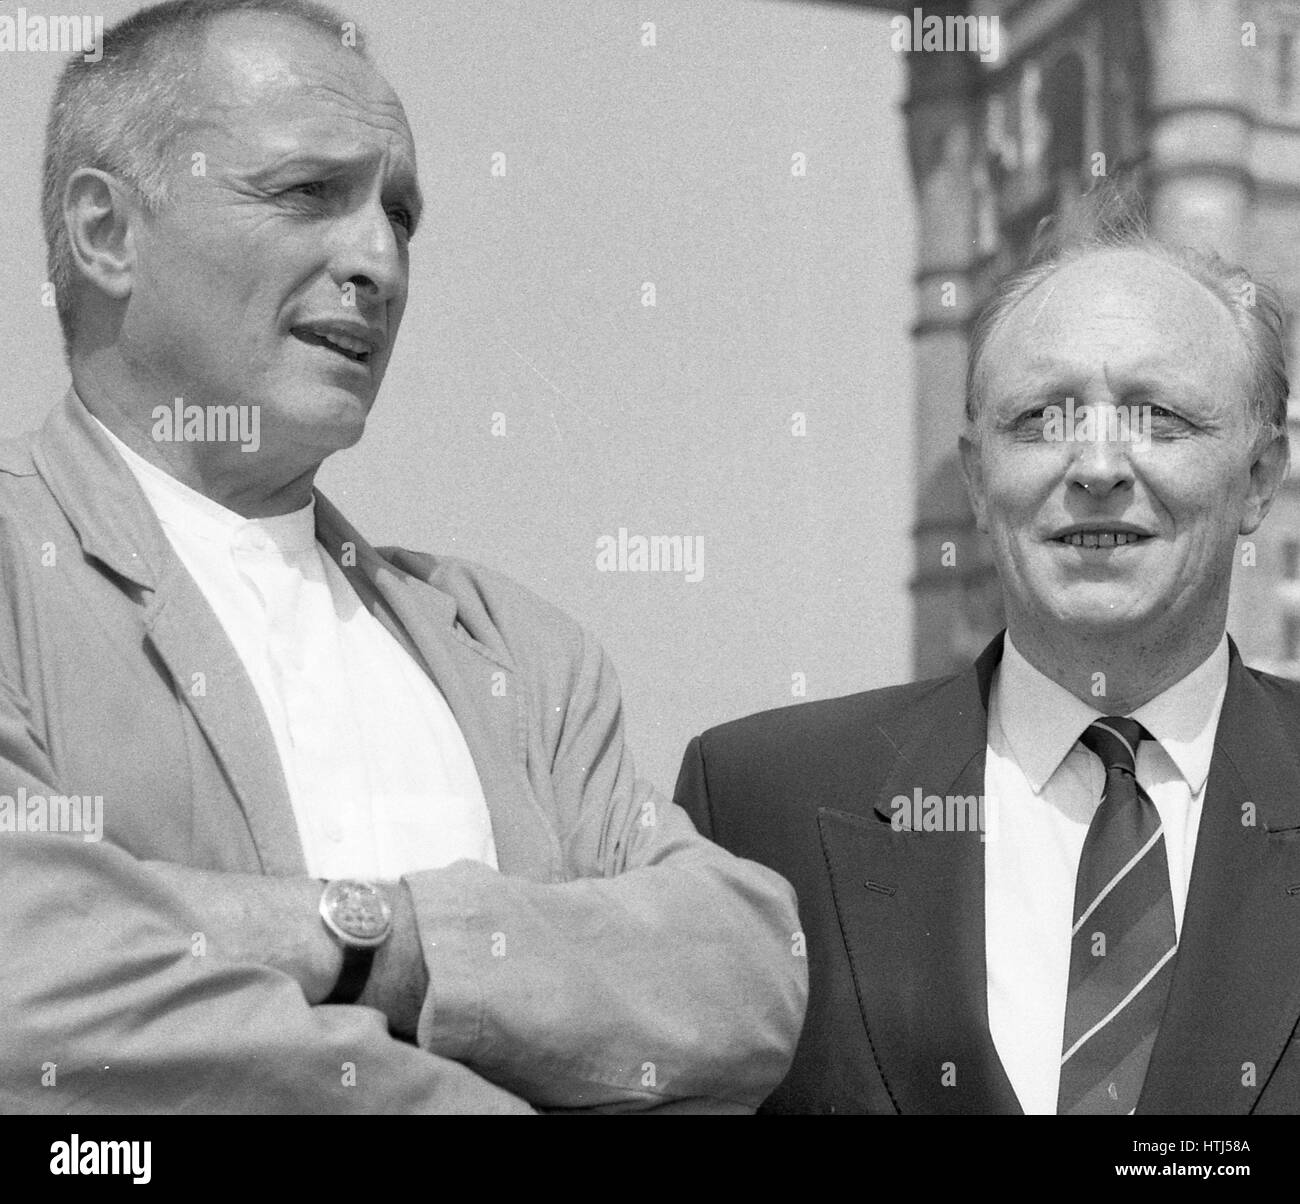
[894, 920]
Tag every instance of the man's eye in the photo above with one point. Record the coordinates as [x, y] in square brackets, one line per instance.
[312, 189]
[1032, 418]
[403, 218]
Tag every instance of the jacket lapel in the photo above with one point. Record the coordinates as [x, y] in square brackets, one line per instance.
[482, 689]
[211, 678]
[911, 909]
[1235, 995]
[116, 526]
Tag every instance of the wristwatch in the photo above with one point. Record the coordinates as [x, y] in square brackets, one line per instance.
[361, 920]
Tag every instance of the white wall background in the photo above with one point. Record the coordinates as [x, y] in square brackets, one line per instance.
[775, 294]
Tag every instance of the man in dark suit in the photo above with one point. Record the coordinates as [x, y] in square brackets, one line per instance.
[1066, 880]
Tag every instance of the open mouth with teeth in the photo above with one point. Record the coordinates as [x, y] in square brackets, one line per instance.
[1100, 539]
[356, 350]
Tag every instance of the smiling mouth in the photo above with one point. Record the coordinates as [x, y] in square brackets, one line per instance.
[356, 350]
[1100, 539]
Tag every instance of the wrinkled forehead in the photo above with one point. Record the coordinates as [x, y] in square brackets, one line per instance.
[276, 72]
[1115, 307]
[1124, 285]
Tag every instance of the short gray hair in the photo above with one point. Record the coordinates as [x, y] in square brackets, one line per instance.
[124, 113]
[1112, 218]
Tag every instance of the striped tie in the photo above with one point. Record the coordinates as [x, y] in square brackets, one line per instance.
[1123, 944]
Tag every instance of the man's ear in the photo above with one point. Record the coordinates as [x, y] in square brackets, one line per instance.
[972, 469]
[100, 214]
[1267, 473]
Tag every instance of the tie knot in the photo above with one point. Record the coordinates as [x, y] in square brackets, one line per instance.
[1115, 740]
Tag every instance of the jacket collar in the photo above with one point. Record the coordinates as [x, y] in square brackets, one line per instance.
[116, 526]
[101, 499]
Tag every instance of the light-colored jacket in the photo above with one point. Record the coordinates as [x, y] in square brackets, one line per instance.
[617, 960]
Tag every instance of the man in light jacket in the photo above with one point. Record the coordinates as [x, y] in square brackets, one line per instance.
[288, 823]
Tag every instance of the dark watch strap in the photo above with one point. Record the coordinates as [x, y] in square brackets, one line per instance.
[354, 975]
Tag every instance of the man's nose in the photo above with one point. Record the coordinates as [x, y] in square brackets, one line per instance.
[1100, 464]
[370, 255]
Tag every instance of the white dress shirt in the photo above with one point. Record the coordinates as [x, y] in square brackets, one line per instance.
[1045, 787]
[379, 775]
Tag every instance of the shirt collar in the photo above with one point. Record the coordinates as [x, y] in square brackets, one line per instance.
[186, 512]
[1042, 721]
[1186, 716]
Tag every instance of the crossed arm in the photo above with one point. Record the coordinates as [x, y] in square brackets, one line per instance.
[664, 971]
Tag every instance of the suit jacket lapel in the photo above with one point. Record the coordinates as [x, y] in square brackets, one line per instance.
[117, 527]
[1235, 995]
[911, 910]
[482, 689]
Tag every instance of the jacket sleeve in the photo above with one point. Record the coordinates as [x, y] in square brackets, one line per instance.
[664, 974]
[110, 1003]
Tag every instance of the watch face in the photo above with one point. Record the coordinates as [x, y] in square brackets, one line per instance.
[359, 911]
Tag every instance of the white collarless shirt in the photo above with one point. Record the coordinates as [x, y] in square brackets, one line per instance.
[1045, 787]
[381, 780]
